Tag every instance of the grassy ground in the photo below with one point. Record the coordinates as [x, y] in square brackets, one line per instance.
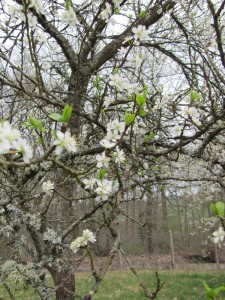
[122, 285]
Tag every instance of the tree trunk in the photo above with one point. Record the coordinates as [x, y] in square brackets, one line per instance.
[180, 221]
[164, 211]
[64, 284]
[150, 223]
[65, 213]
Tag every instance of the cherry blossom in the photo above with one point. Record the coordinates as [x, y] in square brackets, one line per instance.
[64, 141]
[23, 148]
[103, 160]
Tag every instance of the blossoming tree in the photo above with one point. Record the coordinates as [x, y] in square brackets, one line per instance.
[94, 94]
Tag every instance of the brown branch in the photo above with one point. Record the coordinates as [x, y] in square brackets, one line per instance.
[111, 49]
[148, 293]
[66, 47]
[103, 270]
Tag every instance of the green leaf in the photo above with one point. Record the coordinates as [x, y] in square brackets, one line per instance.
[146, 138]
[101, 174]
[212, 294]
[141, 99]
[218, 209]
[40, 140]
[96, 81]
[55, 134]
[36, 123]
[115, 71]
[142, 15]
[25, 125]
[56, 117]
[40, 127]
[129, 118]
[194, 95]
[67, 4]
[142, 112]
[151, 134]
[67, 112]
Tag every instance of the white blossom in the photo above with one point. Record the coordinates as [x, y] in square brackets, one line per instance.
[138, 60]
[106, 13]
[42, 38]
[69, 16]
[107, 101]
[87, 236]
[48, 187]
[117, 2]
[161, 103]
[116, 125]
[7, 132]
[119, 155]
[107, 143]
[123, 50]
[218, 235]
[89, 183]
[118, 82]
[7, 135]
[14, 9]
[115, 129]
[159, 10]
[22, 147]
[38, 5]
[4, 146]
[193, 113]
[102, 160]
[140, 33]
[104, 189]
[177, 129]
[64, 141]
[32, 20]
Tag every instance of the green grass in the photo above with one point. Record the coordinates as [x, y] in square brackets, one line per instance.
[122, 285]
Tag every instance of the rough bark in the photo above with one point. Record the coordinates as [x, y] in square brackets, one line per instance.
[150, 223]
[65, 285]
[164, 211]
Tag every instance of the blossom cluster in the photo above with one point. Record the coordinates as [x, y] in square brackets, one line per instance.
[10, 139]
[193, 113]
[107, 11]
[218, 236]
[69, 16]
[140, 34]
[38, 5]
[121, 84]
[103, 188]
[115, 129]
[64, 140]
[83, 240]
[17, 12]
[103, 160]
